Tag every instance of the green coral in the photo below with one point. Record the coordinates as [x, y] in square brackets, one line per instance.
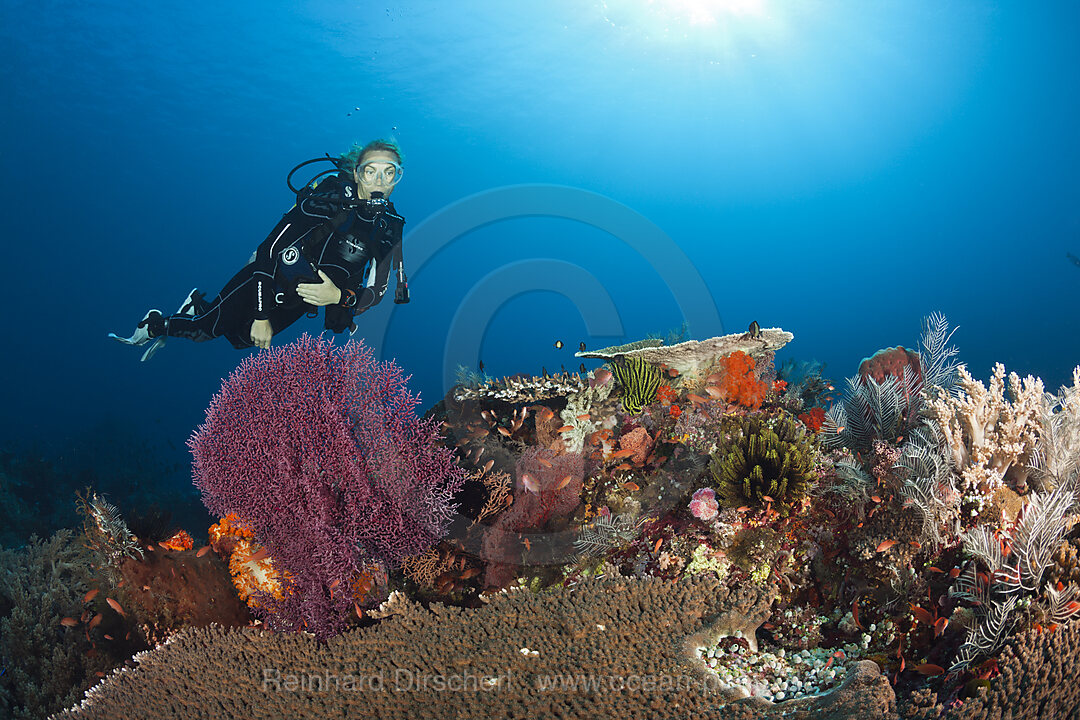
[760, 456]
[705, 560]
[639, 381]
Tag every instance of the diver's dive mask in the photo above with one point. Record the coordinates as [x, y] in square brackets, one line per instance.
[387, 174]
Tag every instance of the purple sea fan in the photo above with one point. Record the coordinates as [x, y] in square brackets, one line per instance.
[703, 505]
[318, 450]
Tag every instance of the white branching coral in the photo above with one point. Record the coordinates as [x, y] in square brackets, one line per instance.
[987, 434]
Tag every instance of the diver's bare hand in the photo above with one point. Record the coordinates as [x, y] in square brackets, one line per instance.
[320, 293]
[261, 332]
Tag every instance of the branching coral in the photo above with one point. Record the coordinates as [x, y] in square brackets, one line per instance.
[988, 435]
[763, 460]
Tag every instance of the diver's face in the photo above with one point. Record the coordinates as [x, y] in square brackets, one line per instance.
[377, 171]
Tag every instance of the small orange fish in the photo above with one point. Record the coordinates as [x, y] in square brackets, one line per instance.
[766, 498]
[855, 613]
[713, 392]
[929, 669]
[583, 416]
[503, 431]
[202, 551]
[526, 543]
[885, 545]
[624, 466]
[921, 615]
[544, 461]
[659, 542]
[259, 556]
[565, 428]
[696, 399]
[471, 572]
[335, 583]
[108, 637]
[94, 621]
[359, 612]
[564, 482]
[69, 622]
[940, 625]
[916, 544]
[954, 573]
[115, 606]
[90, 595]
[622, 453]
[935, 569]
[742, 508]
[631, 487]
[875, 498]
[488, 464]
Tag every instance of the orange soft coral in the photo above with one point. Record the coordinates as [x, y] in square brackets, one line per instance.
[249, 565]
[813, 419]
[666, 394]
[180, 541]
[738, 384]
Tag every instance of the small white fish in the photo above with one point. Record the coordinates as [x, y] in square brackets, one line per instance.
[530, 484]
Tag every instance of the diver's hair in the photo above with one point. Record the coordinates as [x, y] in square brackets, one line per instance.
[351, 159]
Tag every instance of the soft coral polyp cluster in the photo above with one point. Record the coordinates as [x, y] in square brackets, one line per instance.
[738, 383]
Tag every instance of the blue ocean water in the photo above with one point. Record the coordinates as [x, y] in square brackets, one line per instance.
[579, 171]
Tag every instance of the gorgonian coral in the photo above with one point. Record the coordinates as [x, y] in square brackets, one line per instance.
[763, 460]
[318, 450]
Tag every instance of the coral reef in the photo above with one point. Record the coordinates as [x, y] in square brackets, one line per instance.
[317, 449]
[705, 520]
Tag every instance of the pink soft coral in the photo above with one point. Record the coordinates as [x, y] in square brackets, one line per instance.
[704, 506]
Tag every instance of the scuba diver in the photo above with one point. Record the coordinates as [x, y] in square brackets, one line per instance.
[334, 249]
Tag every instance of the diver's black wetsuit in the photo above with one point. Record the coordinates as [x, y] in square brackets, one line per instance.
[328, 229]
